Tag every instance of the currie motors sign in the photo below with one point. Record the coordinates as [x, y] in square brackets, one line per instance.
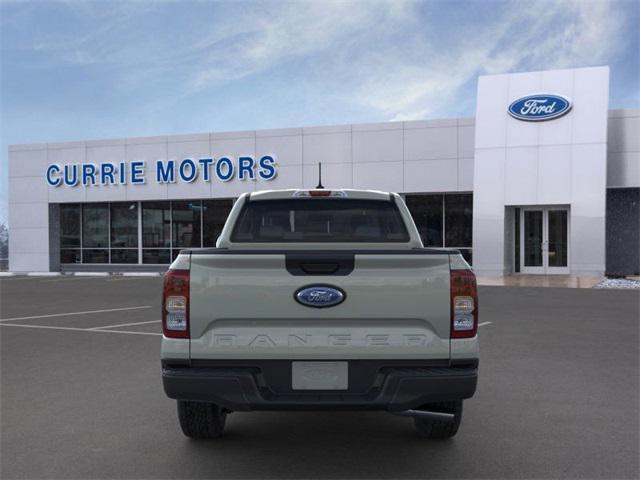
[536, 108]
[136, 172]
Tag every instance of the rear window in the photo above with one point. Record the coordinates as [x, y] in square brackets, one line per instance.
[320, 220]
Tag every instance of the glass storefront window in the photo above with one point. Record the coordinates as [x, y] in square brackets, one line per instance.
[186, 220]
[156, 224]
[444, 220]
[127, 255]
[156, 256]
[108, 232]
[215, 213]
[426, 211]
[70, 255]
[70, 226]
[95, 255]
[458, 212]
[124, 225]
[95, 225]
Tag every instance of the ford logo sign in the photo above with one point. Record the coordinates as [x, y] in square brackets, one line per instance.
[320, 296]
[536, 108]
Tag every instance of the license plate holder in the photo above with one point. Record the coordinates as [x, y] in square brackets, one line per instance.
[319, 375]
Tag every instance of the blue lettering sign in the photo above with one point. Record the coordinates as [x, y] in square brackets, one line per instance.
[106, 173]
[188, 174]
[71, 175]
[137, 172]
[88, 174]
[123, 173]
[51, 180]
[221, 165]
[267, 168]
[165, 173]
[245, 167]
[206, 166]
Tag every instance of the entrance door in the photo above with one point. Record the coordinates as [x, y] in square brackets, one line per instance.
[544, 240]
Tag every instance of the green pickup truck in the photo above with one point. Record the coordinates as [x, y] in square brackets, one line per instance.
[320, 300]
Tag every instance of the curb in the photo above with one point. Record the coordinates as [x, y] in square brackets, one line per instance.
[141, 274]
[90, 274]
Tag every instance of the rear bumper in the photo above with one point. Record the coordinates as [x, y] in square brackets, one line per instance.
[373, 385]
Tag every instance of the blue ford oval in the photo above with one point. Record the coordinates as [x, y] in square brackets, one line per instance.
[320, 296]
[535, 108]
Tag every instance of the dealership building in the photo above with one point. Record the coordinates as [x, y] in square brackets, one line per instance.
[544, 180]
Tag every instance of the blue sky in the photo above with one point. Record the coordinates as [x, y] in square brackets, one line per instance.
[83, 70]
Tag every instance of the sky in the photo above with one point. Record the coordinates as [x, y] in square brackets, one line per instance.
[73, 70]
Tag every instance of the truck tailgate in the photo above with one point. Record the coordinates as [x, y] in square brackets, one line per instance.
[242, 306]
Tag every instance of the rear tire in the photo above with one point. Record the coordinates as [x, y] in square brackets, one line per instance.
[437, 429]
[201, 420]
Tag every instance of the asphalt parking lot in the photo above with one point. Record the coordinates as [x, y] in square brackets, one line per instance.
[81, 395]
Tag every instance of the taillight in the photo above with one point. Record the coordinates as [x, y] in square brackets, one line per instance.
[464, 304]
[175, 304]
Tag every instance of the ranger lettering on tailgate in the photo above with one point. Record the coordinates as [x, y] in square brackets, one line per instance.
[309, 340]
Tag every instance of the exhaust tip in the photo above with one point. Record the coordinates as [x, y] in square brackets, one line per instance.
[438, 416]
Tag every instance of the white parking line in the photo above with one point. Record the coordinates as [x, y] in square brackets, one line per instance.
[75, 329]
[19, 279]
[69, 278]
[125, 325]
[88, 312]
[484, 323]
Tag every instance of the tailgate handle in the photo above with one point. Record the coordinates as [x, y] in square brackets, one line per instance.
[319, 268]
[319, 263]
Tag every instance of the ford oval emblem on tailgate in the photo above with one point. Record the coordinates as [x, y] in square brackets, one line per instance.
[320, 296]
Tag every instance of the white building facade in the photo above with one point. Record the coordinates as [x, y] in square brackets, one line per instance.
[544, 180]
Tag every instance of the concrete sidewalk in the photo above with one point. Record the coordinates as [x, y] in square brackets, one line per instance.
[557, 281]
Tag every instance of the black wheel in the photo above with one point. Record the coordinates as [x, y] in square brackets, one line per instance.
[201, 420]
[437, 429]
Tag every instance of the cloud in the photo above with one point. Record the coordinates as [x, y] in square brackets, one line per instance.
[534, 36]
[393, 58]
[218, 42]
[292, 31]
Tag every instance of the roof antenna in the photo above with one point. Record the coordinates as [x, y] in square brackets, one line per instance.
[319, 186]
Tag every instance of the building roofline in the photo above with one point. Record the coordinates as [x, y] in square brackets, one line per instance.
[316, 130]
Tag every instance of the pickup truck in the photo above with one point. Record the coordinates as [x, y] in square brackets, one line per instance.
[320, 300]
